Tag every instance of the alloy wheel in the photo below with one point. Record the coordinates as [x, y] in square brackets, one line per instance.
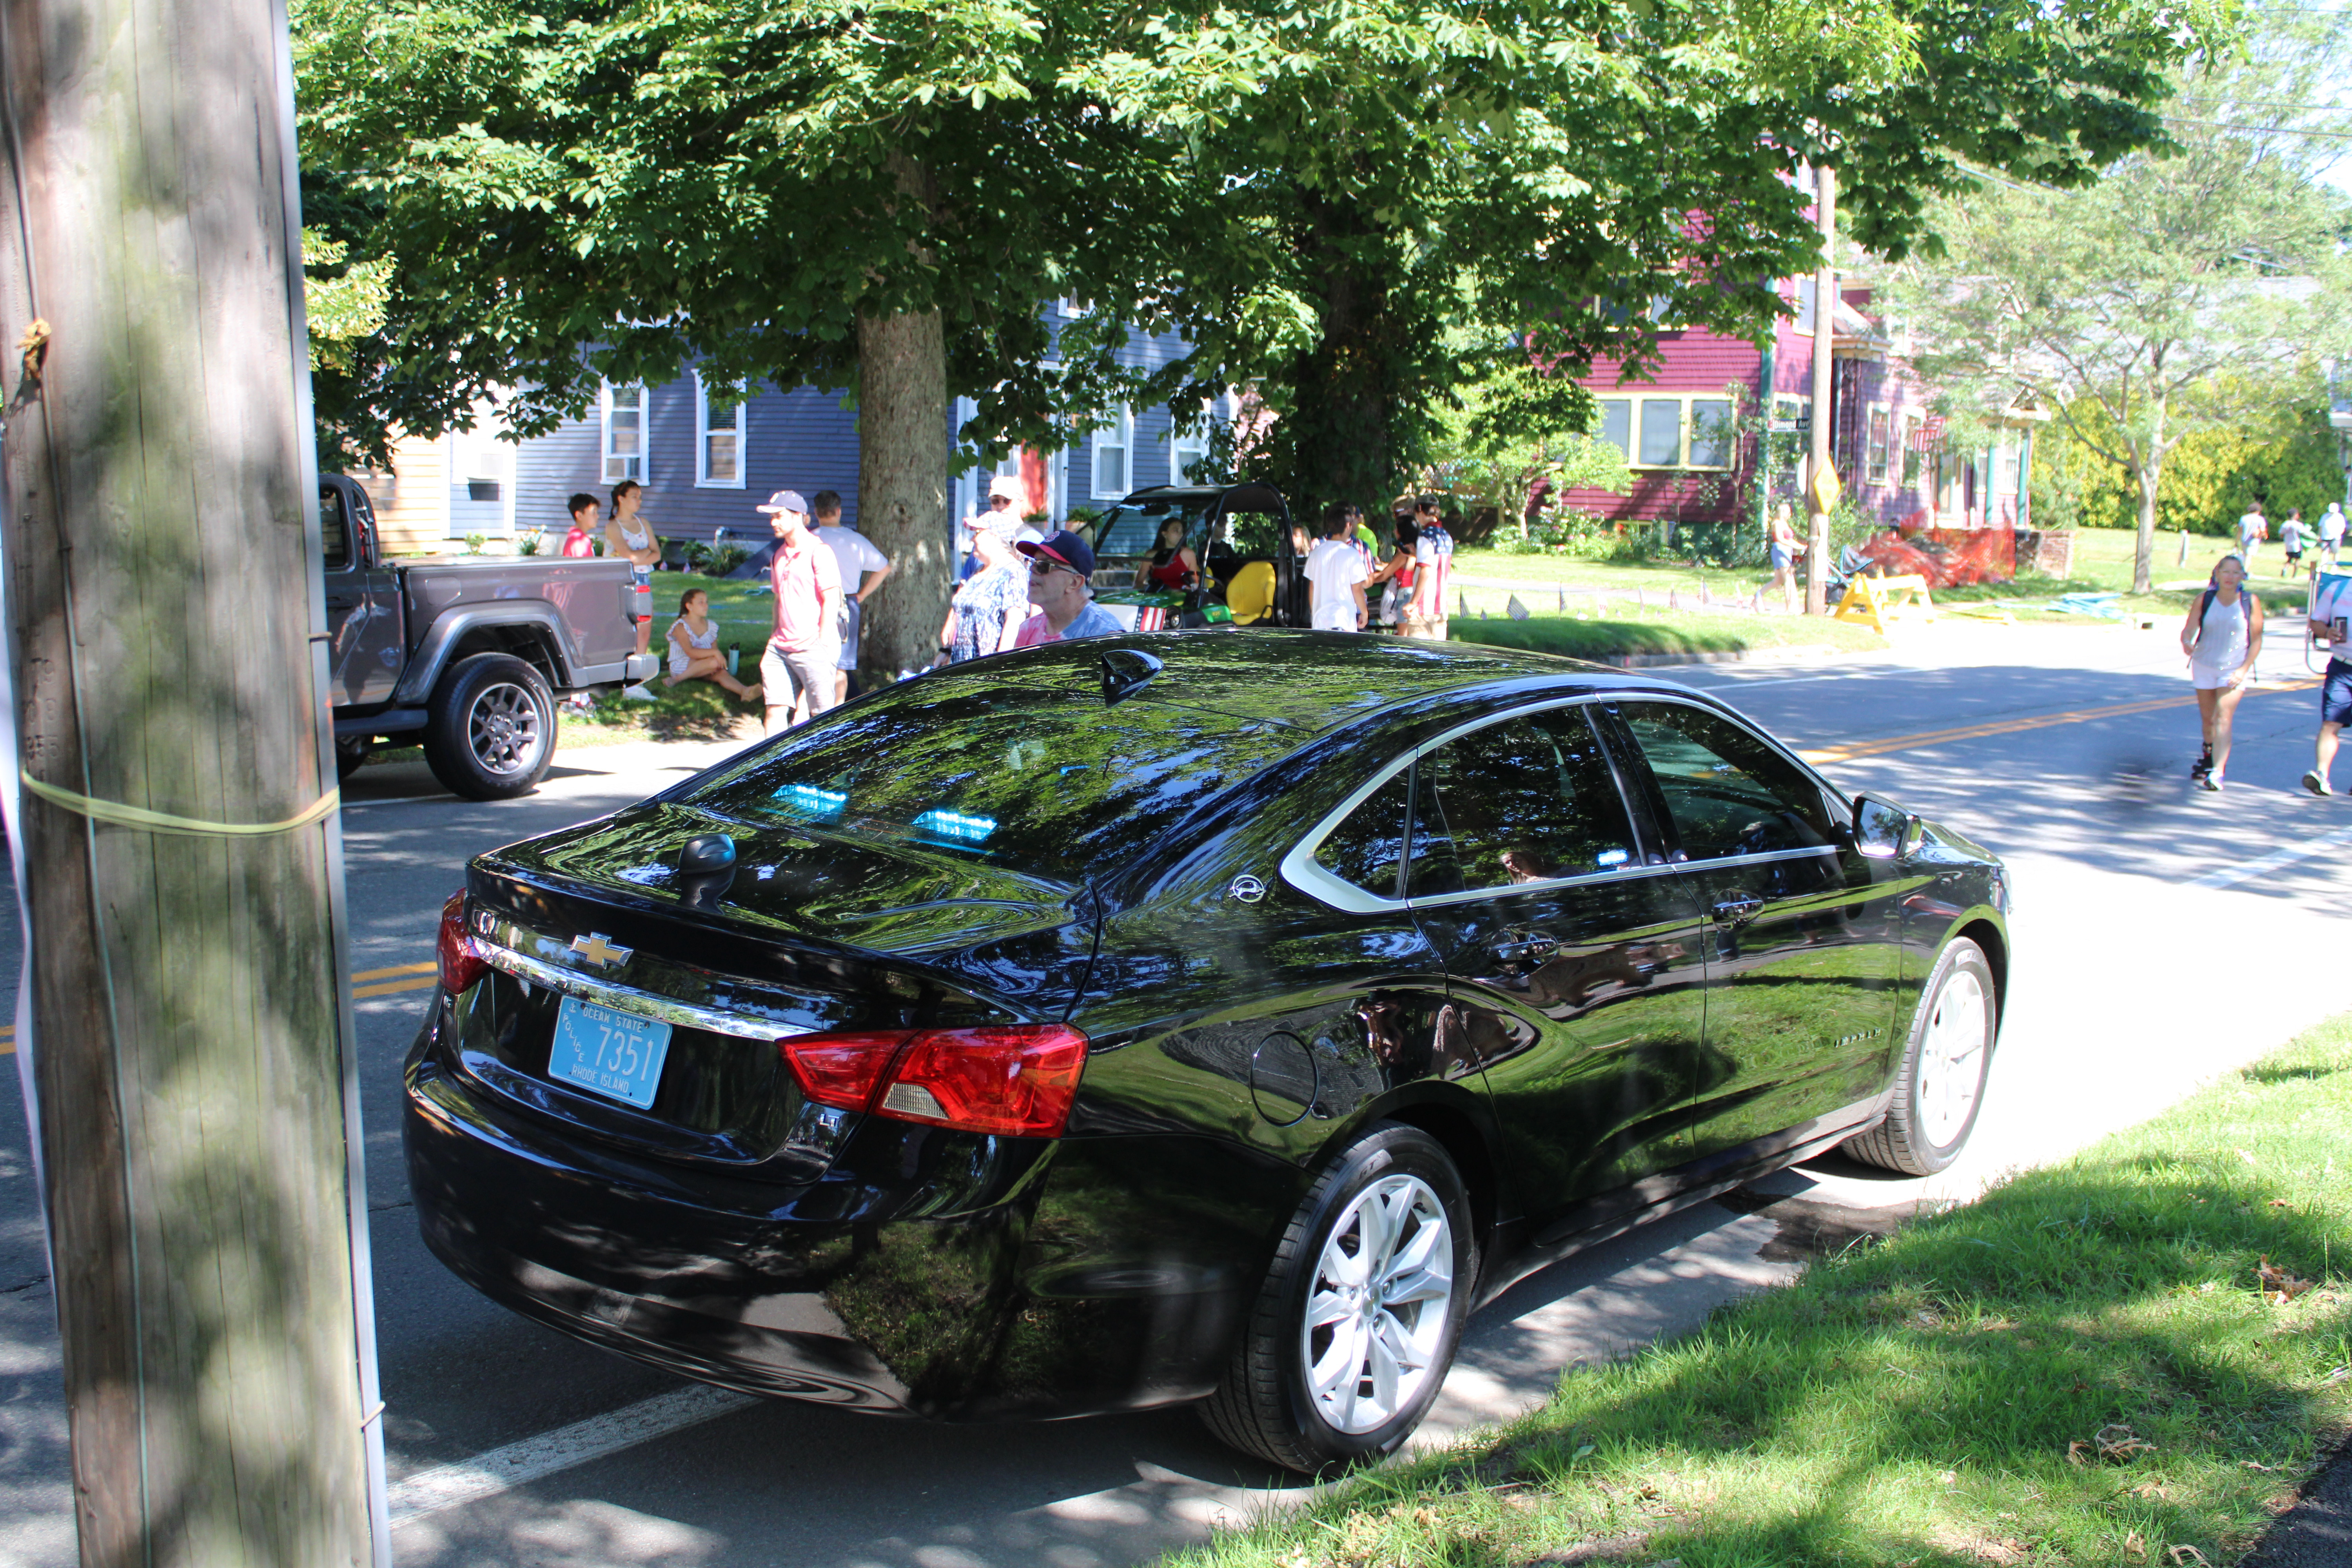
[1951, 1059]
[503, 728]
[1377, 1310]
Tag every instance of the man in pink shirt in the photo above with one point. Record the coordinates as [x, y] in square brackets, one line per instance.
[803, 648]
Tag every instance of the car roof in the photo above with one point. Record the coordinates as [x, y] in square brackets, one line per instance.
[1315, 681]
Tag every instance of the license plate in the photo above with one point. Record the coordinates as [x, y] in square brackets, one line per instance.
[615, 1054]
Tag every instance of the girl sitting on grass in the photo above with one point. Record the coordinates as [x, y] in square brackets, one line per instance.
[694, 648]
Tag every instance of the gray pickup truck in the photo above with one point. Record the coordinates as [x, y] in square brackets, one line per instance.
[465, 654]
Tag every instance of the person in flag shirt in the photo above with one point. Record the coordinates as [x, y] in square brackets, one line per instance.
[1432, 564]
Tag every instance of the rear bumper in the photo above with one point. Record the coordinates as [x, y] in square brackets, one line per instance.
[950, 1288]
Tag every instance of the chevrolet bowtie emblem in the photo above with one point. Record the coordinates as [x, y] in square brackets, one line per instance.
[598, 951]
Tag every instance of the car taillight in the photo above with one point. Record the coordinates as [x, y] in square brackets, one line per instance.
[1017, 1080]
[460, 964]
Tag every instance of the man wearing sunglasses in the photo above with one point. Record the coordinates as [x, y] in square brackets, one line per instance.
[1060, 568]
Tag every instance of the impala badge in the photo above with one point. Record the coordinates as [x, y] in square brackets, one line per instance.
[600, 952]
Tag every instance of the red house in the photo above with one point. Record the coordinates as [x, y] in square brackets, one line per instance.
[1692, 436]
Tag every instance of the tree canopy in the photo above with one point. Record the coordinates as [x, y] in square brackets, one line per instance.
[1353, 208]
[578, 190]
[2178, 294]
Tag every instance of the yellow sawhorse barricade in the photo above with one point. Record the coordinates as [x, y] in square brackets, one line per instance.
[1876, 601]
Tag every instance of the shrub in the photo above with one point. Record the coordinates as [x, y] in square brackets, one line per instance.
[474, 542]
[720, 560]
[527, 545]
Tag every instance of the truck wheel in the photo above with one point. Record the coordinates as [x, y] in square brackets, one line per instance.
[491, 732]
[349, 756]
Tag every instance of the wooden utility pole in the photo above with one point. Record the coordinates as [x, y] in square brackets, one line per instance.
[190, 1040]
[1817, 501]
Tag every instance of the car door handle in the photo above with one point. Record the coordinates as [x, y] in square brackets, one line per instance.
[1535, 945]
[1738, 908]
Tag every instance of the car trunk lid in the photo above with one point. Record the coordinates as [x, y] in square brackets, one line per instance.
[809, 933]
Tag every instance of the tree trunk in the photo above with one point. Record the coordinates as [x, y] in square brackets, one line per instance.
[902, 472]
[190, 1049]
[2147, 476]
[1342, 428]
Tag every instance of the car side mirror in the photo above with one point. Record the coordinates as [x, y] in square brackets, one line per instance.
[1881, 831]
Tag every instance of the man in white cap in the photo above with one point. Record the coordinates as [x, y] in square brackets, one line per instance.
[803, 647]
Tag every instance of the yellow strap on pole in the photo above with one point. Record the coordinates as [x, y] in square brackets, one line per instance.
[162, 822]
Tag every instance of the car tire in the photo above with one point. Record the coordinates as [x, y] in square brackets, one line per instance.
[1940, 1088]
[1394, 1189]
[349, 756]
[492, 731]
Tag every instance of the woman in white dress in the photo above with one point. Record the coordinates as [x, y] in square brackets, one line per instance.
[2222, 638]
[694, 648]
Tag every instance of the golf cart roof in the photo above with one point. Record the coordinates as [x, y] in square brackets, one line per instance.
[1226, 497]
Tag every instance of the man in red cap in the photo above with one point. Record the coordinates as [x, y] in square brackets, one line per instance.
[1061, 566]
[804, 644]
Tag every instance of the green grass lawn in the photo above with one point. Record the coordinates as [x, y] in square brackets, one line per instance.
[2102, 563]
[1624, 628]
[2079, 1369]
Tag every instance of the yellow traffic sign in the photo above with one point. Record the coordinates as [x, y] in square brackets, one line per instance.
[1826, 490]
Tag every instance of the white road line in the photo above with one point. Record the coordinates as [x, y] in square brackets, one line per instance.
[517, 1464]
[2234, 875]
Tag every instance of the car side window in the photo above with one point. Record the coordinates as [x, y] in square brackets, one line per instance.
[334, 531]
[1367, 849]
[1729, 792]
[1526, 800]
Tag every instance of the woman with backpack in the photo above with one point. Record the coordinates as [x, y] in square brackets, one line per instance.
[2222, 638]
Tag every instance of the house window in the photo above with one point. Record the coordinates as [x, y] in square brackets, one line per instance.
[624, 432]
[1710, 433]
[1806, 289]
[1878, 440]
[1661, 433]
[1617, 424]
[481, 477]
[1907, 433]
[1674, 431]
[718, 428]
[1187, 448]
[1114, 442]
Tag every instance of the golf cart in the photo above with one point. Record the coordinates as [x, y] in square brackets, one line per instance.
[1239, 534]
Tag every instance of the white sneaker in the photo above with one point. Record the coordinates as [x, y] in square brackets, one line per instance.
[636, 694]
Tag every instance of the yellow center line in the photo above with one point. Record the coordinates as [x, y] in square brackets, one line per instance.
[1855, 750]
[417, 984]
[365, 974]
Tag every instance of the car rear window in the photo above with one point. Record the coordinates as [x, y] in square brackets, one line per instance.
[1050, 782]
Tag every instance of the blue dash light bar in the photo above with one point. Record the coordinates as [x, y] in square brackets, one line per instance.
[955, 824]
[808, 800]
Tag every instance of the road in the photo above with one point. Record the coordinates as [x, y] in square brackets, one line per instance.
[2064, 750]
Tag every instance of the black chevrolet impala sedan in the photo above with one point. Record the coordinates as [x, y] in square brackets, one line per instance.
[1185, 1017]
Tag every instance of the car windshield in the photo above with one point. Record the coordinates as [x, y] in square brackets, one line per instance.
[1043, 780]
[1132, 527]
